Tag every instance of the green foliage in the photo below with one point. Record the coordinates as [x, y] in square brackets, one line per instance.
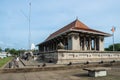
[0, 49]
[12, 51]
[7, 49]
[116, 47]
[17, 52]
[4, 61]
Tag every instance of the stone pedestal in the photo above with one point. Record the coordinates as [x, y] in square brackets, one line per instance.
[96, 72]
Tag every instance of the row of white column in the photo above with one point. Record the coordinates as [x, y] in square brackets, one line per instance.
[75, 42]
[88, 43]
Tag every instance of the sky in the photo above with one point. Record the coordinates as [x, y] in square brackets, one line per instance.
[47, 16]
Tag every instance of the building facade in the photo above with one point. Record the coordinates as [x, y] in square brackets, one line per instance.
[75, 38]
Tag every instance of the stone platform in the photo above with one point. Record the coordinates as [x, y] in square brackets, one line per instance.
[73, 56]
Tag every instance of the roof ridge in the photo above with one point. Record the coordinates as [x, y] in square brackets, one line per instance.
[79, 24]
[73, 25]
[67, 27]
[76, 24]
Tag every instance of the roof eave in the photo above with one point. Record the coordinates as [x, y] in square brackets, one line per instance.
[104, 34]
[53, 37]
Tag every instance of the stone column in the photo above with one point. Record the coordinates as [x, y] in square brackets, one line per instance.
[73, 41]
[101, 43]
[90, 43]
[44, 48]
[49, 46]
[85, 47]
[41, 48]
[69, 42]
[95, 43]
[66, 43]
[80, 43]
[53, 46]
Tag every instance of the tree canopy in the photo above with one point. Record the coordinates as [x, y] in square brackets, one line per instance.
[0, 49]
[116, 47]
[7, 49]
[12, 51]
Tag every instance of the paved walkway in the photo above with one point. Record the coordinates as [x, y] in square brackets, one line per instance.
[74, 74]
[47, 75]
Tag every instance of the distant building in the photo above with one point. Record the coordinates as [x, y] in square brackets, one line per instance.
[4, 54]
[72, 42]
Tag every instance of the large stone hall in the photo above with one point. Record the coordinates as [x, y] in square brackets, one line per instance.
[76, 43]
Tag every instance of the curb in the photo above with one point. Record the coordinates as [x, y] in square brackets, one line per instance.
[21, 70]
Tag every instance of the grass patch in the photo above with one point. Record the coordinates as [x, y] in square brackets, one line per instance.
[4, 61]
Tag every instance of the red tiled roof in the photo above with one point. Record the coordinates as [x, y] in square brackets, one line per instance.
[75, 25]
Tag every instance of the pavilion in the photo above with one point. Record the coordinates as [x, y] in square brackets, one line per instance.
[74, 39]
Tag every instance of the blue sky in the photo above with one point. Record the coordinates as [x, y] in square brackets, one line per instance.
[48, 16]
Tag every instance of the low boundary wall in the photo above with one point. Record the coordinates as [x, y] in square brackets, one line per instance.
[66, 67]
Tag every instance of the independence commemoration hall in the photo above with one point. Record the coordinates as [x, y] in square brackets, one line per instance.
[76, 43]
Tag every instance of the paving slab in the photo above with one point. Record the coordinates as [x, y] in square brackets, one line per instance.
[71, 74]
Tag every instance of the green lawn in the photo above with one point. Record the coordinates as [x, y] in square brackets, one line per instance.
[4, 61]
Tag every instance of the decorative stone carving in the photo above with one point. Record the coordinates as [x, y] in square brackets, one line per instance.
[60, 46]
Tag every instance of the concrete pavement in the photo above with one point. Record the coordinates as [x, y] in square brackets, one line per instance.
[46, 75]
[73, 74]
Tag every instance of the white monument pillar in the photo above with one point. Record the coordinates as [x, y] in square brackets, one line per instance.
[85, 47]
[101, 43]
[80, 43]
[95, 43]
[90, 43]
[73, 41]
